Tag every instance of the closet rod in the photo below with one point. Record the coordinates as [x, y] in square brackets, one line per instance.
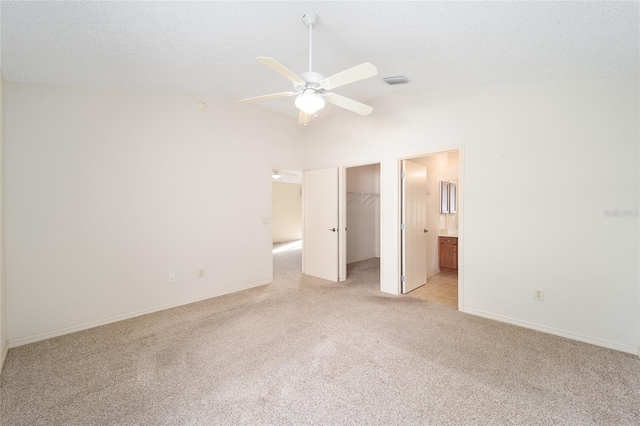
[361, 193]
[368, 197]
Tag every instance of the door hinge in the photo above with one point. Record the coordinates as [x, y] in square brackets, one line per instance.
[402, 226]
[402, 175]
[401, 278]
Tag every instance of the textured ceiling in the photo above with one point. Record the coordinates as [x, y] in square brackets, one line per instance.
[210, 47]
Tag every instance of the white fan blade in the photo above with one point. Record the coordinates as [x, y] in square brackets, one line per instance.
[303, 117]
[357, 73]
[272, 63]
[349, 104]
[271, 96]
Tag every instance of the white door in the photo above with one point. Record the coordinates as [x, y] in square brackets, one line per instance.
[414, 219]
[320, 241]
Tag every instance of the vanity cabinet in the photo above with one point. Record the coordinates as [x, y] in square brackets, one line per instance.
[448, 252]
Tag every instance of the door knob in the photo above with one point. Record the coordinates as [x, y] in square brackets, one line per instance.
[332, 229]
[425, 231]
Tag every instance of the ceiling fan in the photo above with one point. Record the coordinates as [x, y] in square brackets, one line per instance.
[311, 88]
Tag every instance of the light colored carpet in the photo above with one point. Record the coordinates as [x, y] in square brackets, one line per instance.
[307, 351]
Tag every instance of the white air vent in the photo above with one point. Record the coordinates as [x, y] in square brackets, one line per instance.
[399, 79]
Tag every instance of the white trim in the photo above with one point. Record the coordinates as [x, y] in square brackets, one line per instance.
[360, 259]
[270, 245]
[67, 330]
[303, 254]
[342, 222]
[555, 331]
[5, 351]
[461, 213]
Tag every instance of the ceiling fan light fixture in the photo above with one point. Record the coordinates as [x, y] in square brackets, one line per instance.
[310, 101]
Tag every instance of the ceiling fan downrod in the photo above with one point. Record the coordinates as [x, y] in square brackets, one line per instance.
[309, 20]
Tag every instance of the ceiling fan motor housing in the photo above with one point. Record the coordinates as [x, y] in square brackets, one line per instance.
[313, 80]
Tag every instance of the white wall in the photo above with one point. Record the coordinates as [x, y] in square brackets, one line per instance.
[108, 192]
[540, 163]
[287, 211]
[363, 218]
[3, 299]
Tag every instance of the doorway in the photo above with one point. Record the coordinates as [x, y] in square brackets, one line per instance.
[433, 253]
[286, 221]
[329, 198]
[361, 218]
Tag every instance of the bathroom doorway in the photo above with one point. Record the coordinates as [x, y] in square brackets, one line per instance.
[432, 275]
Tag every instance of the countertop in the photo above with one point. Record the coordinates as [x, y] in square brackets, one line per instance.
[448, 233]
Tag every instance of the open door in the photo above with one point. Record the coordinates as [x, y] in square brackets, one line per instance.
[414, 226]
[320, 228]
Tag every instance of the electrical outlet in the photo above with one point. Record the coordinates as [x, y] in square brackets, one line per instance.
[538, 294]
[172, 278]
[200, 273]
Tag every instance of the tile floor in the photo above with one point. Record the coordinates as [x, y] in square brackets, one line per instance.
[440, 288]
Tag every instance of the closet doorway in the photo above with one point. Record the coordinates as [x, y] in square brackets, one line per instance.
[286, 222]
[361, 218]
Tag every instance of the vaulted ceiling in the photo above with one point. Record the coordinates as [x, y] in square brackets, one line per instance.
[210, 47]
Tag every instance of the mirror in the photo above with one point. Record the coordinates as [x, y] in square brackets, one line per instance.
[448, 197]
[453, 208]
[444, 197]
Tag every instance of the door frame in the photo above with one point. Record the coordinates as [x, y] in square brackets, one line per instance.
[461, 211]
[342, 207]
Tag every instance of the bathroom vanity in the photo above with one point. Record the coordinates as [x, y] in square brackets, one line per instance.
[447, 252]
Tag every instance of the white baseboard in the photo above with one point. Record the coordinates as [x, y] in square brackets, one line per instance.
[562, 333]
[5, 349]
[67, 330]
[360, 259]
